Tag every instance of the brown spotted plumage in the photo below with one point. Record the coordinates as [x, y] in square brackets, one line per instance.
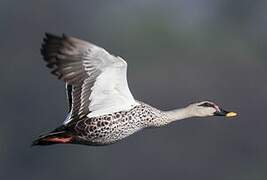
[110, 128]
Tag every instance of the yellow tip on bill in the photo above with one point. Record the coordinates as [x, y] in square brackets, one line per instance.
[231, 114]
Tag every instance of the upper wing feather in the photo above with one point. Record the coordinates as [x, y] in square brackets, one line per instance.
[96, 80]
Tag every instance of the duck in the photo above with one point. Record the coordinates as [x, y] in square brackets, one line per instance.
[102, 110]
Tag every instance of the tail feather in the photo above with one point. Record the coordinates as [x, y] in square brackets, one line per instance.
[53, 138]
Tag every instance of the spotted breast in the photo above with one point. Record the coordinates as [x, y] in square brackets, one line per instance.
[110, 128]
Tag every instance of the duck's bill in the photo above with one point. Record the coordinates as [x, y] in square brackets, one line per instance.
[225, 113]
[231, 114]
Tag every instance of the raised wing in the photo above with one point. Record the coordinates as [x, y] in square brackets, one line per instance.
[96, 80]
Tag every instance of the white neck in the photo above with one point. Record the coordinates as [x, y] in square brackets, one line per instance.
[179, 114]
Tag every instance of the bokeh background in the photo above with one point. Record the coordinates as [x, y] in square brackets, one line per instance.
[178, 52]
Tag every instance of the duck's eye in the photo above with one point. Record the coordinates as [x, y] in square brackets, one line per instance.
[206, 104]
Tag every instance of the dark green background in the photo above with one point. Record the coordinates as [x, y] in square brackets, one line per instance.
[178, 52]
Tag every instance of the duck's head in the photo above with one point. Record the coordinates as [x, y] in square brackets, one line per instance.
[207, 108]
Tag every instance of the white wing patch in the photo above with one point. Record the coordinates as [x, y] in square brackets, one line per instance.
[110, 92]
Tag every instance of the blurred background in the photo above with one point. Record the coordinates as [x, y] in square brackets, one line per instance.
[178, 52]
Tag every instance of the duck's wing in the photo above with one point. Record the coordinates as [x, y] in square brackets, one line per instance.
[96, 80]
[74, 93]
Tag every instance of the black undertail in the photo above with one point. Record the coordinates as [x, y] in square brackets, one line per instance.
[58, 136]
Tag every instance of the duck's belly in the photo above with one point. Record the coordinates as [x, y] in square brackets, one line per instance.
[110, 128]
[107, 130]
